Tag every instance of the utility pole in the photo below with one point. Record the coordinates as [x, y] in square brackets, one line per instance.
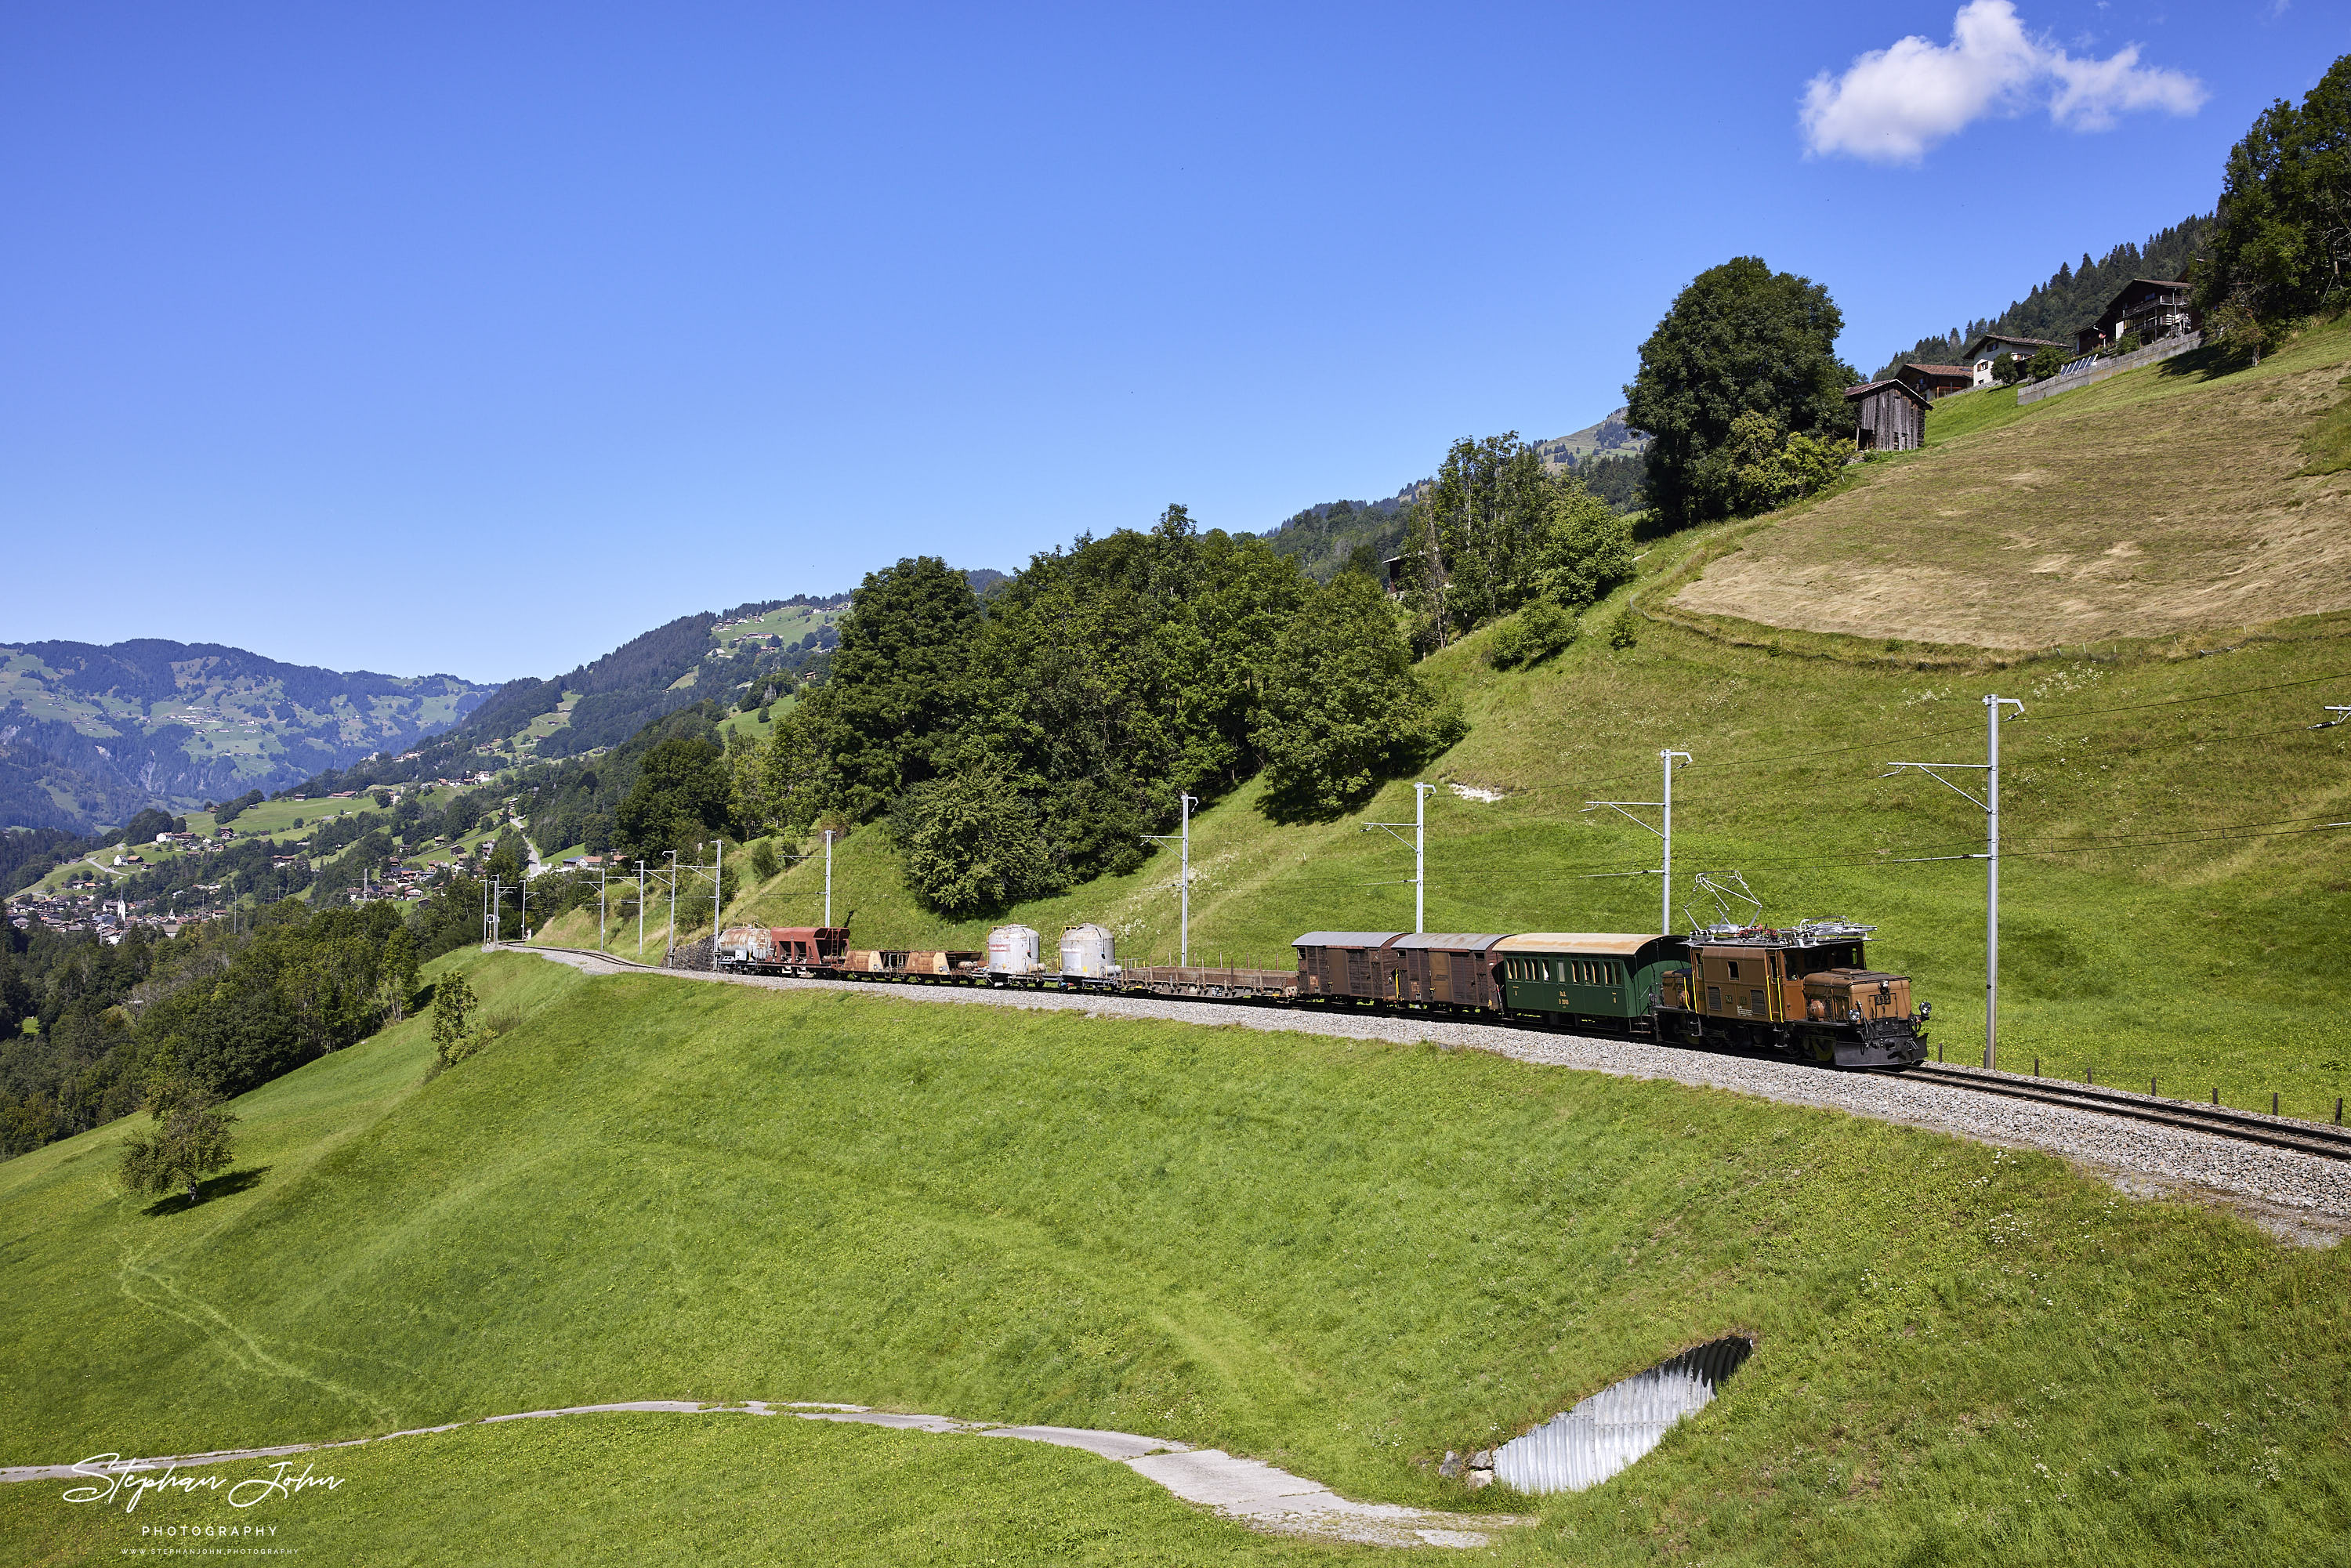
[718, 893]
[522, 891]
[640, 912]
[1665, 868]
[672, 946]
[1420, 794]
[1989, 806]
[1184, 804]
[828, 878]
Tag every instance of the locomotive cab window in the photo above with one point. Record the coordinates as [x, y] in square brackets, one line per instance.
[1734, 968]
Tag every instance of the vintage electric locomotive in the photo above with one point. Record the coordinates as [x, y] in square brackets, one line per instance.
[1806, 990]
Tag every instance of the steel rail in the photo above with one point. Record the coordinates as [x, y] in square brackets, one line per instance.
[2217, 1120]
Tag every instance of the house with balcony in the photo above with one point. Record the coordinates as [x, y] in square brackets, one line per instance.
[2148, 309]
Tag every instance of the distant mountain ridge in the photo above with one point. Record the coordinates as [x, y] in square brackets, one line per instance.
[1611, 437]
[731, 655]
[91, 734]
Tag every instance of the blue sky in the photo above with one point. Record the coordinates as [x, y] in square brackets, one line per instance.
[480, 338]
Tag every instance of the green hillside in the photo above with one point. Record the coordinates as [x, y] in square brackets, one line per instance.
[90, 736]
[1342, 1257]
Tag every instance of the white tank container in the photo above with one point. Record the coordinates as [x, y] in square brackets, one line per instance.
[1087, 952]
[1012, 950]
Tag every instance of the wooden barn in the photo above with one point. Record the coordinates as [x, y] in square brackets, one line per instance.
[1887, 416]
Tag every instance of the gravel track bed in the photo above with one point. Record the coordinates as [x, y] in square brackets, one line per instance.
[2301, 1197]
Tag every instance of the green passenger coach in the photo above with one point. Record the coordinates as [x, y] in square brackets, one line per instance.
[1587, 974]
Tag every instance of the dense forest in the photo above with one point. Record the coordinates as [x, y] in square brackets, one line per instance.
[2071, 299]
[1332, 537]
[2280, 246]
[1017, 742]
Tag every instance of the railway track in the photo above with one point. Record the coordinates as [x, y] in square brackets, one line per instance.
[2218, 1121]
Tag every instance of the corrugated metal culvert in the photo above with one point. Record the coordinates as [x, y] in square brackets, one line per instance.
[1585, 1445]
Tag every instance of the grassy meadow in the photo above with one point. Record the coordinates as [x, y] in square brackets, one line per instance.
[792, 623]
[1342, 1257]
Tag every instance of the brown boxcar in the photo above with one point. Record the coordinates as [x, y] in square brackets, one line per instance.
[1344, 963]
[810, 946]
[1444, 969]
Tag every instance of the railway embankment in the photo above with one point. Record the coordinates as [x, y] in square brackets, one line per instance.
[2302, 1197]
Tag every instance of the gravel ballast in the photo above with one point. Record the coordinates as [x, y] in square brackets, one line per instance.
[2301, 1197]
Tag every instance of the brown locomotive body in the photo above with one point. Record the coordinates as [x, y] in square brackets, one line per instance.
[1804, 990]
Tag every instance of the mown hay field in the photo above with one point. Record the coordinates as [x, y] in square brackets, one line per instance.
[2169, 499]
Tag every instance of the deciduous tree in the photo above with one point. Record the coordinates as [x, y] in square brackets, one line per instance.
[1344, 709]
[453, 1006]
[681, 795]
[189, 1139]
[1742, 339]
[973, 837]
[897, 691]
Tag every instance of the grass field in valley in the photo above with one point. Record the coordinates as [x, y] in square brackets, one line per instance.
[1342, 1257]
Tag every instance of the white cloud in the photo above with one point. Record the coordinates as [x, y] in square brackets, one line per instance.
[1892, 104]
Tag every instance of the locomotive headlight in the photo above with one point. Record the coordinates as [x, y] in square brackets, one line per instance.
[1926, 1009]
